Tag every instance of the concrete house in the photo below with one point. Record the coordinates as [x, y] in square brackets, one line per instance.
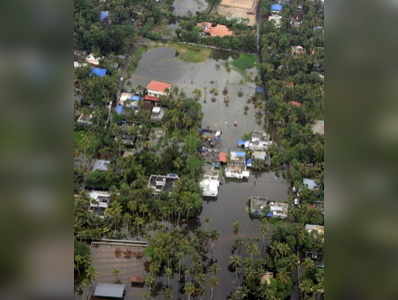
[158, 88]
[100, 201]
[162, 183]
[109, 291]
[262, 207]
[157, 113]
[236, 167]
[92, 60]
[101, 165]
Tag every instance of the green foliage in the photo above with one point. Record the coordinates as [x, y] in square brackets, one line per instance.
[245, 61]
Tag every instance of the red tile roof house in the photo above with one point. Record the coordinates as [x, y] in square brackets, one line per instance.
[295, 103]
[215, 30]
[157, 89]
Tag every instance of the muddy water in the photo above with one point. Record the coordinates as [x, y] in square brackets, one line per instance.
[231, 204]
[183, 8]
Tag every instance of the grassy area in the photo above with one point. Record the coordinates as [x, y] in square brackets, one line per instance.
[191, 53]
[136, 56]
[245, 61]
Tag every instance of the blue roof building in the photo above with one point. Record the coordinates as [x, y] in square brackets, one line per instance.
[119, 109]
[260, 90]
[98, 72]
[276, 8]
[240, 154]
[135, 98]
[249, 163]
[104, 15]
[240, 143]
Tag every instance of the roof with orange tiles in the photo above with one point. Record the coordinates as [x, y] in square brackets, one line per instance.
[158, 86]
[295, 103]
[215, 30]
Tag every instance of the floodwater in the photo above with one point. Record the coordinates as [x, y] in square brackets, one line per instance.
[231, 204]
[183, 8]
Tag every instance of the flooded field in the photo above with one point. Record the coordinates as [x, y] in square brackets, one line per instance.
[183, 8]
[162, 64]
[231, 204]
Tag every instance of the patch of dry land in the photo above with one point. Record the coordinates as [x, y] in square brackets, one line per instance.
[239, 9]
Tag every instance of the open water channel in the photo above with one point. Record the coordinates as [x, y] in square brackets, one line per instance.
[231, 204]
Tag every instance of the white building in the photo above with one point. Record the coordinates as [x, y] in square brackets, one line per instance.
[101, 165]
[278, 210]
[262, 207]
[91, 59]
[259, 142]
[76, 64]
[99, 201]
[157, 113]
[310, 184]
[209, 186]
[276, 20]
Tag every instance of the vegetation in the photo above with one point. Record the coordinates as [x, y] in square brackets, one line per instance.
[243, 39]
[192, 54]
[293, 256]
[179, 254]
[244, 62]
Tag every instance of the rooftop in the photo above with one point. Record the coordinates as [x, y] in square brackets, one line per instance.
[218, 30]
[260, 155]
[162, 183]
[101, 165]
[310, 183]
[104, 15]
[109, 290]
[128, 97]
[209, 187]
[157, 113]
[262, 207]
[158, 86]
[99, 72]
[91, 59]
[317, 228]
[151, 98]
[319, 127]
[295, 103]
[276, 7]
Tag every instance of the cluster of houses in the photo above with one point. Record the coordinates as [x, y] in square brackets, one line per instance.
[236, 164]
[150, 99]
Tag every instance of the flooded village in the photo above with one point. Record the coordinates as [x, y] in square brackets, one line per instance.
[228, 181]
[184, 175]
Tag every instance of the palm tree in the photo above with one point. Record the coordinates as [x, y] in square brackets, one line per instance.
[213, 281]
[189, 289]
